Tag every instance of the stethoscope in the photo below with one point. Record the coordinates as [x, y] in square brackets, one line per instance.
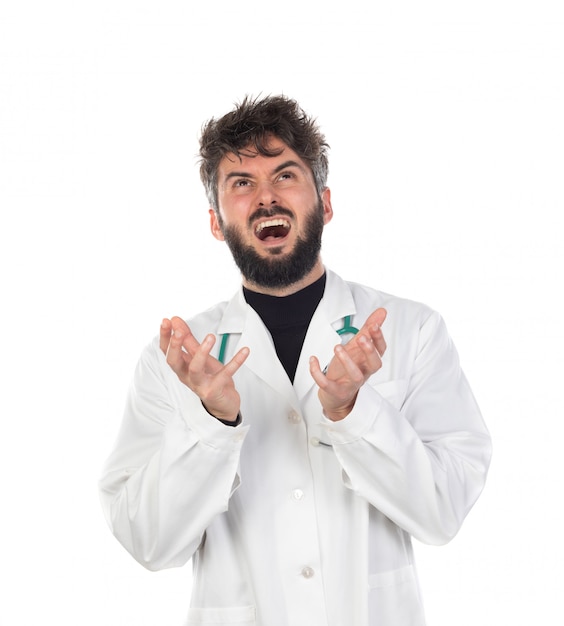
[345, 330]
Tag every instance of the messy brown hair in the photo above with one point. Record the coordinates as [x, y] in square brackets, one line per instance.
[249, 126]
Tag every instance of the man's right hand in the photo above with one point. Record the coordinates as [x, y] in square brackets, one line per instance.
[191, 361]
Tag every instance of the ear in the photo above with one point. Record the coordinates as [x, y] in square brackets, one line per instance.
[327, 208]
[215, 227]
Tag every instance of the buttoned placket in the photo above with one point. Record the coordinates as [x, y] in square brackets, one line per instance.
[301, 558]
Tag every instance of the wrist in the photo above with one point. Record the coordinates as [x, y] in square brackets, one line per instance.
[234, 422]
[228, 420]
[336, 414]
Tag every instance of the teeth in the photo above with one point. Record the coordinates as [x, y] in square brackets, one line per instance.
[275, 222]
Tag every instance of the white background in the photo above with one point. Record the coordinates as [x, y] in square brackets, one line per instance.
[446, 127]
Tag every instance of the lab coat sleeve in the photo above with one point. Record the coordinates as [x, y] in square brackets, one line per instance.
[417, 448]
[173, 468]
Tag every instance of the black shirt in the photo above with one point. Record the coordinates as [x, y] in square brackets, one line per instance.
[287, 318]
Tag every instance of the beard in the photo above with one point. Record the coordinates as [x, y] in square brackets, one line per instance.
[278, 271]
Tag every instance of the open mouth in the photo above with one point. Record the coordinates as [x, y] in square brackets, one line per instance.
[272, 229]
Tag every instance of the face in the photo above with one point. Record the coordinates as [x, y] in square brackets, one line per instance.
[271, 217]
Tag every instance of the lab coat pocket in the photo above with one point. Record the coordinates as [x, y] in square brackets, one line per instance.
[231, 616]
[394, 598]
[393, 391]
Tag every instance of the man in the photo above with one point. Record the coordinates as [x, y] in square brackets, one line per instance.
[279, 439]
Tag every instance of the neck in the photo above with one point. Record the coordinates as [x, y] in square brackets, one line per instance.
[287, 290]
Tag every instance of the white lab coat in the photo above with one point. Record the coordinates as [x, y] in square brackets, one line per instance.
[293, 520]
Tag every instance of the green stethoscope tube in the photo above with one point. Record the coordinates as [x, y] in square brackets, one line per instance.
[346, 329]
[222, 348]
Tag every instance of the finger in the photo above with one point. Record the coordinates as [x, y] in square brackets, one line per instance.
[372, 329]
[316, 373]
[352, 369]
[380, 344]
[374, 321]
[372, 358]
[176, 357]
[182, 330]
[377, 338]
[200, 357]
[165, 333]
[360, 348]
[236, 362]
[377, 317]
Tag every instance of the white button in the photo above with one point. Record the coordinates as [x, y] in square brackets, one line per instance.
[308, 572]
[297, 494]
[294, 417]
[314, 441]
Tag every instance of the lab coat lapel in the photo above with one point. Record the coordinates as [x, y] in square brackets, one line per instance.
[322, 337]
[263, 360]
[245, 328]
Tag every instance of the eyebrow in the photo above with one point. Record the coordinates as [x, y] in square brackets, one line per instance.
[287, 164]
[277, 169]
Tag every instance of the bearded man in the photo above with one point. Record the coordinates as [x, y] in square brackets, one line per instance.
[282, 440]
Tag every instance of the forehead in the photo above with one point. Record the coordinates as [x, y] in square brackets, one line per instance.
[251, 161]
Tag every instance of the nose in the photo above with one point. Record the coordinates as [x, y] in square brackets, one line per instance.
[266, 195]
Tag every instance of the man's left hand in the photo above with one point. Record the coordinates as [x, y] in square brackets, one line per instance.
[350, 368]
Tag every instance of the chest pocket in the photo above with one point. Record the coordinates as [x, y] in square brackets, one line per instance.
[393, 391]
[394, 598]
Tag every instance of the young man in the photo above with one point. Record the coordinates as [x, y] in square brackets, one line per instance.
[279, 439]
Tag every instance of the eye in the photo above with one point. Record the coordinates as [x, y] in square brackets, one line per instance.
[286, 176]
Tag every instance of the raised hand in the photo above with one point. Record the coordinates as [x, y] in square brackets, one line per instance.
[350, 368]
[191, 361]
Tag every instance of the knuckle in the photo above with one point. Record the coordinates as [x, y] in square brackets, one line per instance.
[358, 378]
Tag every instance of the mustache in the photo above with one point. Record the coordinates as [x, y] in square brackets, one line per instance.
[270, 212]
